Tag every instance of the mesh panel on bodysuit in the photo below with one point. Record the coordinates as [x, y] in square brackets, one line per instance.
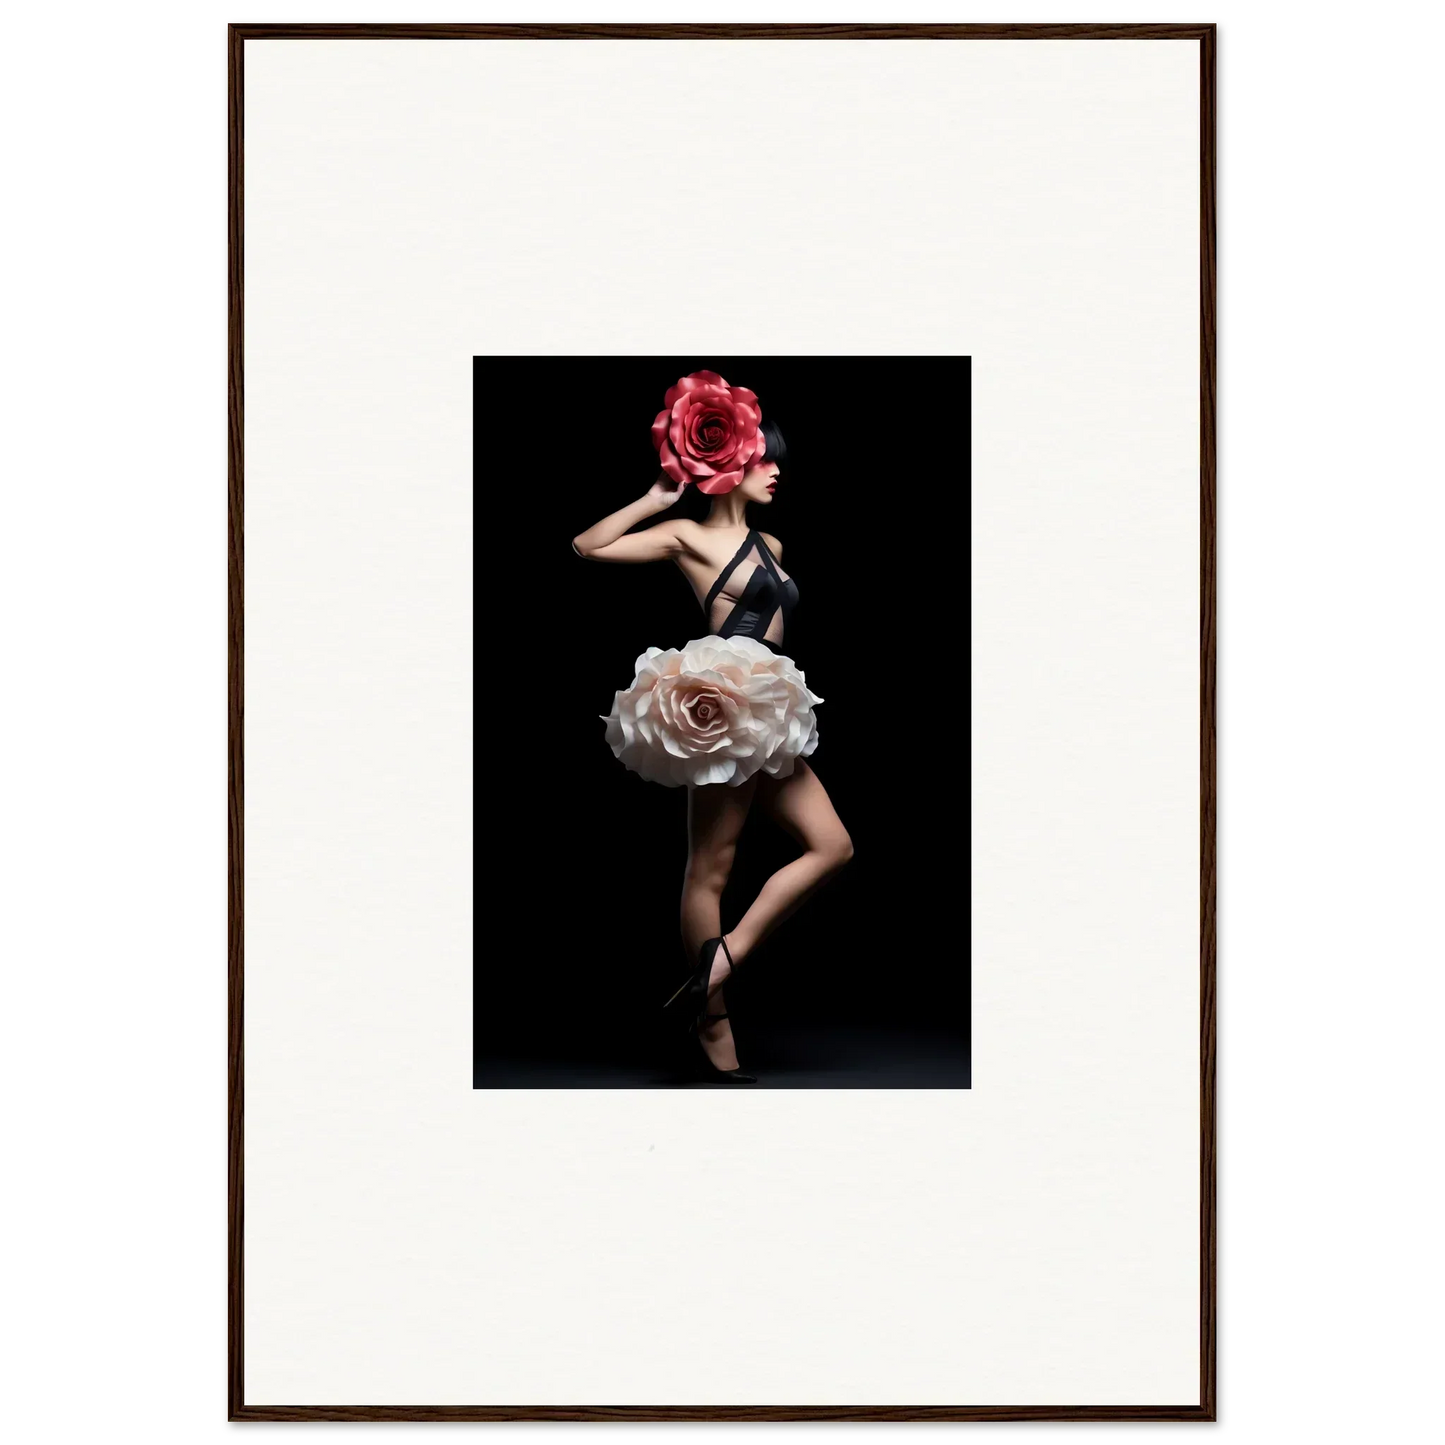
[752, 595]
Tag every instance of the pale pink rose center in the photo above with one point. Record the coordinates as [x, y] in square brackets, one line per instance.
[704, 710]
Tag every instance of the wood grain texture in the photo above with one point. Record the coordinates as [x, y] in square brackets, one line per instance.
[1208, 1229]
[238, 1410]
[722, 32]
[458, 1413]
[235, 750]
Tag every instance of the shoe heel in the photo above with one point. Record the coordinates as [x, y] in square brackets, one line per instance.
[697, 981]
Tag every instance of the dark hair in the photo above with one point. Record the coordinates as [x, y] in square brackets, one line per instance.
[777, 448]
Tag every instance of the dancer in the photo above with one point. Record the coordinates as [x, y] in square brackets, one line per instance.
[729, 716]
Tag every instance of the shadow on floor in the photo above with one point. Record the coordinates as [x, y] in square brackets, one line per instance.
[783, 1056]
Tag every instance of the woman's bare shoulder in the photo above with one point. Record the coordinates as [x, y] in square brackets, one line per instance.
[774, 546]
[691, 536]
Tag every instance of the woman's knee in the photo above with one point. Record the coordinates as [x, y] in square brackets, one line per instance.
[710, 871]
[837, 849]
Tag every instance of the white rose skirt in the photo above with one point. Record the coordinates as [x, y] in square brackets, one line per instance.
[716, 711]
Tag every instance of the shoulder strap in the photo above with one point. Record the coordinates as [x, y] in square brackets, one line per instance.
[726, 573]
[765, 554]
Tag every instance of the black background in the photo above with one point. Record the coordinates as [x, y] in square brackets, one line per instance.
[582, 861]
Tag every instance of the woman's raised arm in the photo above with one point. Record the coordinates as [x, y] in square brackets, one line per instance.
[605, 541]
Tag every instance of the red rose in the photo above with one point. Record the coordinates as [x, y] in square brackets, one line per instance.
[707, 432]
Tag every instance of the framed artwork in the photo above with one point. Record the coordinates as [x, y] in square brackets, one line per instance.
[722, 722]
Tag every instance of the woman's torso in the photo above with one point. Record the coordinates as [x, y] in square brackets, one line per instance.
[742, 589]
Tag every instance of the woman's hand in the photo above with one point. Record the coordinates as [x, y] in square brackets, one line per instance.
[664, 492]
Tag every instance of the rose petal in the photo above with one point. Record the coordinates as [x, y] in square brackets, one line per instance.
[677, 422]
[760, 710]
[722, 482]
[667, 460]
[691, 383]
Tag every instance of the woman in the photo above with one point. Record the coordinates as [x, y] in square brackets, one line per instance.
[729, 716]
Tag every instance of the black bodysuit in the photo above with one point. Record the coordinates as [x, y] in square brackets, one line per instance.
[767, 599]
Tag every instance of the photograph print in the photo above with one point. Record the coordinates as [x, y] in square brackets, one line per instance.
[725, 822]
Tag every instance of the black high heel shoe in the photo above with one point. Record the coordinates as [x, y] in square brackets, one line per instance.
[694, 989]
[709, 1071]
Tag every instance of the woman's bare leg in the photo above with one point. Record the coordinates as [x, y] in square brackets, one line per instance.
[715, 816]
[801, 805]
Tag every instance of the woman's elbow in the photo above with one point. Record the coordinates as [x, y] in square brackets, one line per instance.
[578, 548]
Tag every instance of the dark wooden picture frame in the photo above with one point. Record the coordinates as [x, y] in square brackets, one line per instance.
[1204, 1410]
